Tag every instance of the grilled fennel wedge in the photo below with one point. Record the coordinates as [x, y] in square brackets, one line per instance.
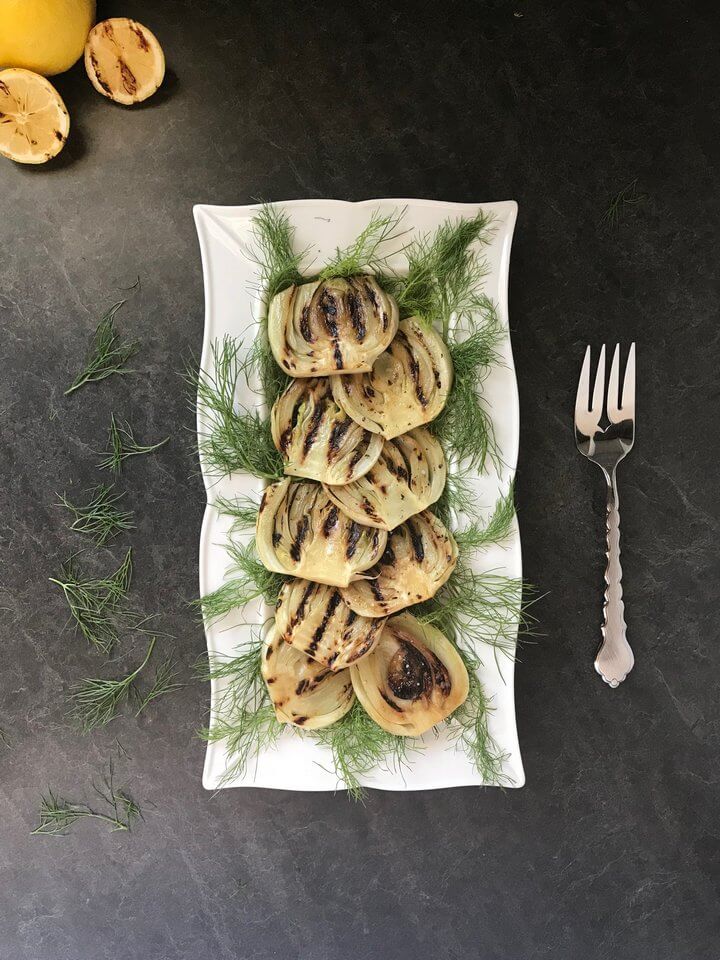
[300, 532]
[315, 619]
[315, 436]
[419, 557]
[303, 692]
[409, 476]
[413, 679]
[408, 385]
[331, 326]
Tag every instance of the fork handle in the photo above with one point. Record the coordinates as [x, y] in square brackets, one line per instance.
[614, 659]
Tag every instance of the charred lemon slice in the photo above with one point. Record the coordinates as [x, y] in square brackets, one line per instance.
[124, 60]
[34, 123]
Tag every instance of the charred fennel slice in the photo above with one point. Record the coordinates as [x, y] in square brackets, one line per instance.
[315, 619]
[408, 477]
[413, 679]
[300, 532]
[316, 438]
[407, 387]
[303, 692]
[419, 558]
[339, 325]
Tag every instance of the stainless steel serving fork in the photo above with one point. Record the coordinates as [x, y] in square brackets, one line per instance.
[607, 447]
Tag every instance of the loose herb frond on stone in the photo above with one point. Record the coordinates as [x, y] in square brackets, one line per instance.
[108, 354]
[57, 815]
[100, 517]
[95, 602]
[122, 444]
[96, 701]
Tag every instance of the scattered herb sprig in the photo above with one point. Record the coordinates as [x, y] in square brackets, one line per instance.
[96, 701]
[94, 602]
[108, 354]
[100, 517]
[57, 815]
[122, 445]
[627, 197]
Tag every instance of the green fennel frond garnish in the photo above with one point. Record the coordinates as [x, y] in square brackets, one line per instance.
[96, 701]
[444, 273]
[627, 197]
[100, 517]
[465, 426]
[478, 607]
[260, 361]
[231, 438]
[366, 253]
[470, 730]
[279, 264]
[249, 580]
[359, 745]
[122, 444]
[57, 814]
[108, 354]
[477, 535]
[243, 716]
[94, 602]
[243, 510]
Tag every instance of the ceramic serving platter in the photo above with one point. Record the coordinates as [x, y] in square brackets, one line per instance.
[233, 306]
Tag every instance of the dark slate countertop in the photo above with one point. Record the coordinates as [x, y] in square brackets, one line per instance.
[611, 849]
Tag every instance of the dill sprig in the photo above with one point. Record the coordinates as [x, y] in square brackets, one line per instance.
[477, 535]
[100, 516]
[279, 264]
[96, 701]
[250, 579]
[470, 730]
[359, 745]
[365, 253]
[260, 361]
[108, 354]
[94, 602]
[231, 438]
[465, 426]
[243, 510]
[478, 607]
[458, 496]
[243, 716]
[445, 272]
[57, 814]
[627, 197]
[122, 444]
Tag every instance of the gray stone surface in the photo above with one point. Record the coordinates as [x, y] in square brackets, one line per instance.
[611, 849]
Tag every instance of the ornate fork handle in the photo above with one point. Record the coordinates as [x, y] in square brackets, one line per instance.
[615, 659]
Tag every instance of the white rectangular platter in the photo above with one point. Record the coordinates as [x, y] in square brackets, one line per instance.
[233, 306]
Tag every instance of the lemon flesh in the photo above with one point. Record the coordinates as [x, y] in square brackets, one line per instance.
[124, 60]
[46, 36]
[34, 123]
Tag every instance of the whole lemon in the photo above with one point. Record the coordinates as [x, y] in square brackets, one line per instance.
[46, 36]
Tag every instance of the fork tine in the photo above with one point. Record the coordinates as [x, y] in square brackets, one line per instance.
[628, 394]
[613, 395]
[599, 389]
[583, 390]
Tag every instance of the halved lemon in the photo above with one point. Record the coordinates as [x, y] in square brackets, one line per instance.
[124, 60]
[34, 123]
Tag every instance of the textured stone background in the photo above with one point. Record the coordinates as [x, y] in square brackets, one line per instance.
[611, 849]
